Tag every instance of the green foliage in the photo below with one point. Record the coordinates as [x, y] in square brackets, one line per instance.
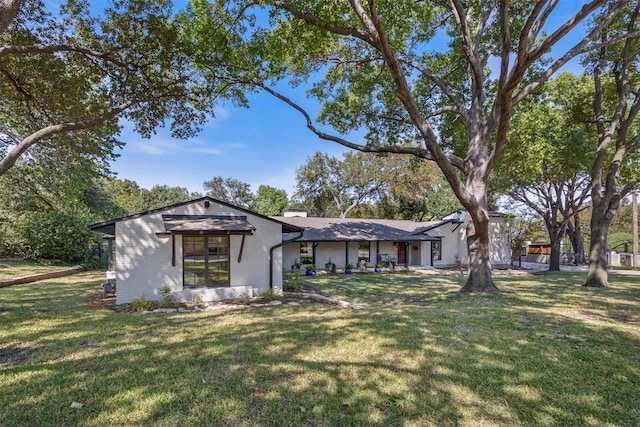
[53, 235]
[331, 185]
[620, 242]
[291, 281]
[168, 299]
[270, 201]
[270, 295]
[229, 190]
[142, 304]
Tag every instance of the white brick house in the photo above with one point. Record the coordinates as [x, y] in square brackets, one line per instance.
[202, 249]
[415, 244]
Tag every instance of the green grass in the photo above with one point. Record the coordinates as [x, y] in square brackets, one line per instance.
[12, 268]
[544, 352]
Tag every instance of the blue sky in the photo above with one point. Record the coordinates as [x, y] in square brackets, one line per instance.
[263, 144]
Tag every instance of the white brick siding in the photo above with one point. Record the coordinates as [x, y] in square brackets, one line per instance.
[144, 259]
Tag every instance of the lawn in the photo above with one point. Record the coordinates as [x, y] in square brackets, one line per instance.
[544, 352]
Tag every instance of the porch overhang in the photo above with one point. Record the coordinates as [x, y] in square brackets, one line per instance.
[207, 224]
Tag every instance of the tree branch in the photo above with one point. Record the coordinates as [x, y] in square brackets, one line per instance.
[9, 160]
[313, 20]
[415, 151]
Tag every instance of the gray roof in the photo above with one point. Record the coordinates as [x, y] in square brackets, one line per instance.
[207, 224]
[109, 227]
[355, 229]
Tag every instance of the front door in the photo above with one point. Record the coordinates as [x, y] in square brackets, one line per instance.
[402, 253]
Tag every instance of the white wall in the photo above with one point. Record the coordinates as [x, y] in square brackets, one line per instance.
[144, 259]
[454, 244]
[500, 245]
[337, 253]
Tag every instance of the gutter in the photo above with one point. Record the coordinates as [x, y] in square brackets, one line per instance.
[279, 245]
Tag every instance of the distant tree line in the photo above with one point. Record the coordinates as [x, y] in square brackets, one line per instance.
[46, 209]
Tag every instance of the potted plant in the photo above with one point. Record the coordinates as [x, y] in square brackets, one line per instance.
[329, 265]
[378, 268]
[310, 269]
[347, 268]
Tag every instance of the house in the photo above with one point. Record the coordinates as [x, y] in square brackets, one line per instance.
[203, 249]
[209, 250]
[369, 241]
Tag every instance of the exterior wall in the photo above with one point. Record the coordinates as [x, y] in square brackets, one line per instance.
[336, 251]
[144, 259]
[500, 245]
[454, 244]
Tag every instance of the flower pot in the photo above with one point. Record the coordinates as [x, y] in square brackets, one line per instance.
[347, 271]
[309, 273]
[377, 270]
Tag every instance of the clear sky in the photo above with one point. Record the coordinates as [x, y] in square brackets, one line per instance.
[263, 144]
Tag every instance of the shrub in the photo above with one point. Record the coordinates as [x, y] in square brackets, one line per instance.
[168, 299]
[291, 281]
[54, 235]
[142, 304]
[271, 295]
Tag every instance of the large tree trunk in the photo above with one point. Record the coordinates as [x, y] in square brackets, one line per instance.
[597, 275]
[554, 258]
[480, 278]
[556, 233]
[577, 239]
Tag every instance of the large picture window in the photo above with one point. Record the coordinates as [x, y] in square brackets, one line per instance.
[205, 261]
[306, 252]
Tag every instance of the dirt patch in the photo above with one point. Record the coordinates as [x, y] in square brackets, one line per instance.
[16, 356]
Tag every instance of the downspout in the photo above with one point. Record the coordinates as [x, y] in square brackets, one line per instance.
[279, 245]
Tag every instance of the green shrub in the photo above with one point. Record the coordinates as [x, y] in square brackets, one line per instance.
[54, 235]
[271, 295]
[168, 299]
[142, 304]
[291, 281]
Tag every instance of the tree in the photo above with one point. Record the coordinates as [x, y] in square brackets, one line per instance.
[230, 190]
[614, 173]
[65, 79]
[163, 195]
[418, 191]
[346, 183]
[270, 201]
[389, 72]
[8, 10]
[549, 156]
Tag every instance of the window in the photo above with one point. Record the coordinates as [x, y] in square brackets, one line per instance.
[306, 252]
[436, 252]
[205, 261]
[364, 251]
